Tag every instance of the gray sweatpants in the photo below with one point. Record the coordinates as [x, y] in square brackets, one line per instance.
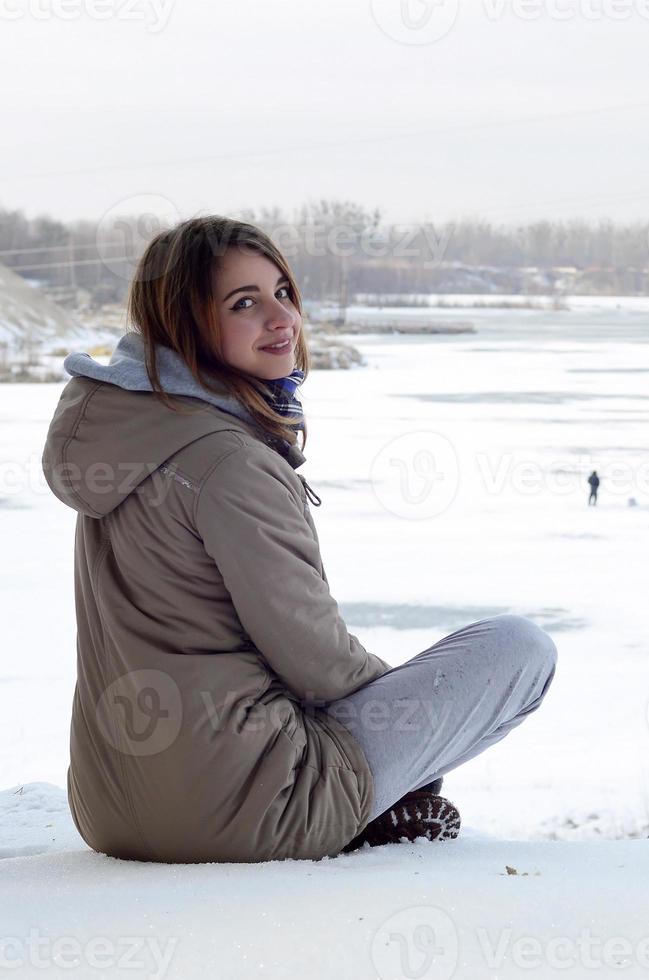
[448, 703]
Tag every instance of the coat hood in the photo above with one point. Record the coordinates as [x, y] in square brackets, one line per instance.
[127, 369]
[108, 434]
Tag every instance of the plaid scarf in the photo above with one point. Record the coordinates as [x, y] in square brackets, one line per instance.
[282, 398]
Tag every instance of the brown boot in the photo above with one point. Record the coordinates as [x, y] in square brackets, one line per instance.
[418, 814]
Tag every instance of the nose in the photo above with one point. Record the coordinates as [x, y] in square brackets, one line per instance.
[279, 318]
[279, 312]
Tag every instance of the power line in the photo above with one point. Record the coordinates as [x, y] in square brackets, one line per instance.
[67, 265]
[57, 248]
[634, 195]
[385, 137]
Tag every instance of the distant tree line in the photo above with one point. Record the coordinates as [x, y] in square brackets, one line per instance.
[338, 249]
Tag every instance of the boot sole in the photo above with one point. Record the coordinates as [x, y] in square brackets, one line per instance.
[419, 814]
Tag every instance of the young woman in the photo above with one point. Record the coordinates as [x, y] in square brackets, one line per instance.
[222, 710]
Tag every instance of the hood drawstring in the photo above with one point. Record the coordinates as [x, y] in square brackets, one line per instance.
[311, 494]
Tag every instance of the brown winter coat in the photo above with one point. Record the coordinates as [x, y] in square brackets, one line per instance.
[207, 641]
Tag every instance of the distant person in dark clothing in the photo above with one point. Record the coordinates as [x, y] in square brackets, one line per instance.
[593, 479]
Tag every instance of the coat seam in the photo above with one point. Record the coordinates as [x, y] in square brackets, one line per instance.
[125, 780]
[211, 470]
[64, 449]
[197, 481]
[356, 759]
[103, 549]
[205, 479]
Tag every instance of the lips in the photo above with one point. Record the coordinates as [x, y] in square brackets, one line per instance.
[286, 341]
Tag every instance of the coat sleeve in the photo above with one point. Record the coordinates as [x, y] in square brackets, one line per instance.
[251, 519]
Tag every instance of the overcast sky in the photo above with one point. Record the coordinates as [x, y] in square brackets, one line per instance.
[427, 110]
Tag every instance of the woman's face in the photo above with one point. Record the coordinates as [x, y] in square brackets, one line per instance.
[255, 310]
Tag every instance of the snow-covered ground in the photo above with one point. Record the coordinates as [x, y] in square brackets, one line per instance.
[452, 472]
[448, 306]
[580, 303]
[478, 907]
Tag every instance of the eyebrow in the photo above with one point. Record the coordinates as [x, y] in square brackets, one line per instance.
[252, 289]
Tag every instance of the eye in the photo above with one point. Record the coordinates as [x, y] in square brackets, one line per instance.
[237, 307]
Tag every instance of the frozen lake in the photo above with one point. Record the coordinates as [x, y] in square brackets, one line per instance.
[452, 471]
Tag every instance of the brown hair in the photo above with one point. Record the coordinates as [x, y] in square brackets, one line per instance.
[171, 302]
